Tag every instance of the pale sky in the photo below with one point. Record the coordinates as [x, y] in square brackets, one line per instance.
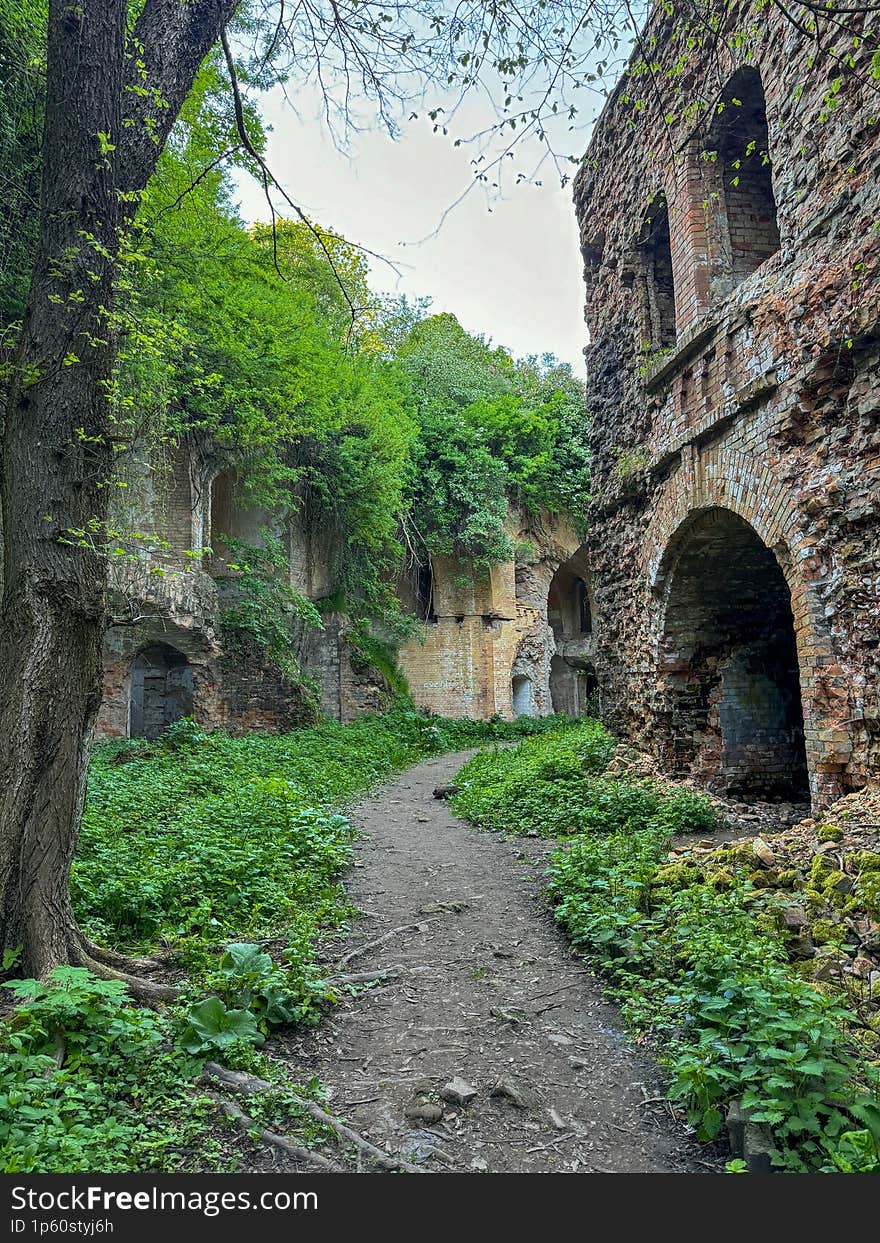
[513, 273]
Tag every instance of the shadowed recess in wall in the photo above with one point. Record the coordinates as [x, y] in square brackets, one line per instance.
[729, 690]
[161, 690]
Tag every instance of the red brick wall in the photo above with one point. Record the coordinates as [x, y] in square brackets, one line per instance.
[768, 405]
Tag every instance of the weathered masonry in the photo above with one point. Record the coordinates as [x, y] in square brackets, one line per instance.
[513, 639]
[731, 255]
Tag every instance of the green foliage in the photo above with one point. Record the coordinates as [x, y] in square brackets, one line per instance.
[371, 654]
[193, 841]
[261, 606]
[251, 996]
[554, 786]
[199, 839]
[91, 1083]
[692, 963]
[229, 336]
[22, 68]
[212, 1028]
[491, 430]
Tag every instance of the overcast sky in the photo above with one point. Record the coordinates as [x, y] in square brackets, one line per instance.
[513, 272]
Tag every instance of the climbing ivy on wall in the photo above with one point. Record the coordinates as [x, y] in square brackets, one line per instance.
[491, 430]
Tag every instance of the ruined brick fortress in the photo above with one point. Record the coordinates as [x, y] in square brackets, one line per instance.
[731, 255]
[516, 638]
[724, 611]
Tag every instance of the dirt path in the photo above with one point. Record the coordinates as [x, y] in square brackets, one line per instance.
[487, 991]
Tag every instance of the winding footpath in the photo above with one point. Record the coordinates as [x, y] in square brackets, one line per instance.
[485, 989]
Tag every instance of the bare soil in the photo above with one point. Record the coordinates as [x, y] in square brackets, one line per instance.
[486, 990]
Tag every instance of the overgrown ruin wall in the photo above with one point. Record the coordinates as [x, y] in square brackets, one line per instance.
[733, 311]
[503, 641]
[489, 643]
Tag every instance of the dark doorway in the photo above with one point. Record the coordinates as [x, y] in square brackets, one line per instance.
[730, 683]
[161, 690]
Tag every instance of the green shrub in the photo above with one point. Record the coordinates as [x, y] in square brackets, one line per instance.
[693, 959]
[735, 1021]
[553, 786]
[91, 1083]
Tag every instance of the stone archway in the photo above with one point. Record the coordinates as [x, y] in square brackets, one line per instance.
[729, 708]
[161, 690]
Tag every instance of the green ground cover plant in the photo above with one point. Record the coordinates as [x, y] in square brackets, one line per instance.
[695, 959]
[204, 845]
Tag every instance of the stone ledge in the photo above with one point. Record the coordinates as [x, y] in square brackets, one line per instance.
[690, 341]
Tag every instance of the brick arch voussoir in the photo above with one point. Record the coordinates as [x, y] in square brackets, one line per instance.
[729, 481]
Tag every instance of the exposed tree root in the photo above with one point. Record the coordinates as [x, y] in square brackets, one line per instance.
[369, 945]
[124, 962]
[148, 992]
[250, 1085]
[245, 1123]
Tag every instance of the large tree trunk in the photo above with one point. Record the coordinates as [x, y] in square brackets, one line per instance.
[56, 455]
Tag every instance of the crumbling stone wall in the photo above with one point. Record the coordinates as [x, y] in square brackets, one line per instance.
[487, 646]
[764, 409]
[165, 606]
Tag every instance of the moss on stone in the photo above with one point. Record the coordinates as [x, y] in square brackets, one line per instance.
[827, 932]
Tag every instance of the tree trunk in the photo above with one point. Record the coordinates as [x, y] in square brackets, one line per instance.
[57, 458]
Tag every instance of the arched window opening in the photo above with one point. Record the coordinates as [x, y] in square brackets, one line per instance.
[568, 600]
[583, 615]
[220, 523]
[425, 593]
[657, 291]
[161, 690]
[523, 699]
[730, 681]
[738, 145]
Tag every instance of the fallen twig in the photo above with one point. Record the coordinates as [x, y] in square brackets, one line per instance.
[365, 977]
[250, 1085]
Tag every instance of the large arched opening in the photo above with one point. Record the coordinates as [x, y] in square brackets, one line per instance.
[729, 684]
[161, 690]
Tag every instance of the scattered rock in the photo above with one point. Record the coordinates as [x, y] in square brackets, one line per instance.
[419, 1146]
[480, 1164]
[557, 1120]
[423, 1111]
[795, 918]
[506, 1089]
[511, 1016]
[802, 947]
[825, 966]
[862, 967]
[458, 1091]
[764, 853]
